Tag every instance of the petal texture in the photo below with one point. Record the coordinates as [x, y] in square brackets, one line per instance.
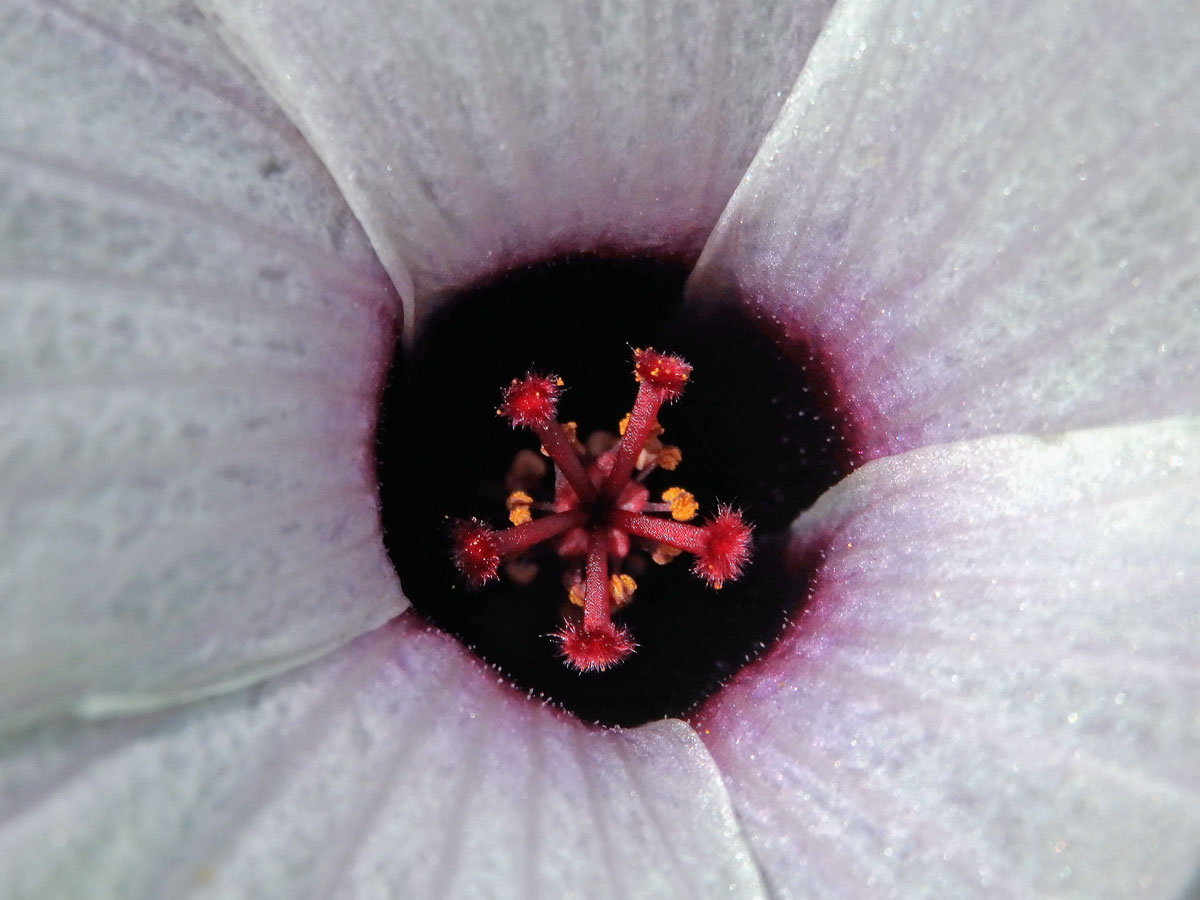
[994, 687]
[984, 216]
[472, 136]
[192, 334]
[398, 766]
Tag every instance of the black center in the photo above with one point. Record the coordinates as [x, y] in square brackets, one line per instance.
[753, 427]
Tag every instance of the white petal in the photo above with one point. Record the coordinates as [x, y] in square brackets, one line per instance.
[192, 330]
[470, 136]
[994, 688]
[398, 766]
[984, 215]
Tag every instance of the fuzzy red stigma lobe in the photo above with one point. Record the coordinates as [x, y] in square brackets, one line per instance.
[594, 651]
[721, 545]
[661, 378]
[726, 549]
[669, 374]
[476, 552]
[477, 548]
[532, 400]
[600, 512]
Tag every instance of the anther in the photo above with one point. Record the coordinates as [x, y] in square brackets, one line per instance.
[683, 505]
[518, 504]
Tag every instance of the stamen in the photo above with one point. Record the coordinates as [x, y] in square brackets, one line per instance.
[681, 504]
[664, 553]
[621, 589]
[669, 458]
[571, 430]
[518, 504]
[575, 591]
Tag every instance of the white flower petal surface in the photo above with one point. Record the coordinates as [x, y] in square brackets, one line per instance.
[983, 216]
[994, 687]
[397, 766]
[192, 334]
[471, 136]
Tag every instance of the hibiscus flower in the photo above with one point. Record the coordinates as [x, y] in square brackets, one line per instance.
[984, 216]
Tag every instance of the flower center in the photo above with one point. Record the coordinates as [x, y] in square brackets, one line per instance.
[600, 506]
[753, 430]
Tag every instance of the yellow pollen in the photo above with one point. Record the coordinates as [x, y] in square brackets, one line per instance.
[621, 588]
[654, 372]
[624, 423]
[669, 457]
[571, 430]
[518, 498]
[664, 553]
[518, 507]
[683, 505]
[575, 593]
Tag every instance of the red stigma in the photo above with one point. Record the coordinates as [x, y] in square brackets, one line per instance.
[531, 400]
[727, 549]
[601, 512]
[475, 551]
[594, 651]
[667, 373]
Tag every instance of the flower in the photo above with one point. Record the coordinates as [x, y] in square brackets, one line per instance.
[985, 217]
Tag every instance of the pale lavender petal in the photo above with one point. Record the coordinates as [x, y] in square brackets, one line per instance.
[192, 335]
[399, 766]
[984, 216]
[994, 687]
[470, 136]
